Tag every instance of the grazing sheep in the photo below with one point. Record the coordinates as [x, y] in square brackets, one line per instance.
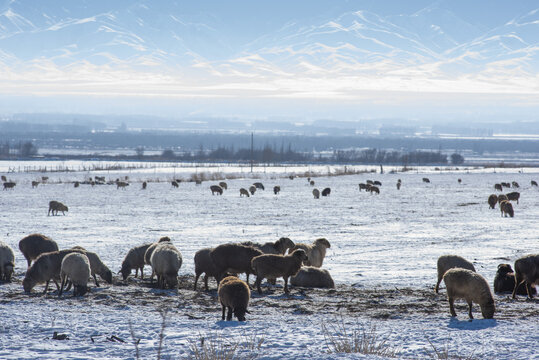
[459, 181]
[291, 177]
[370, 182]
[204, 264]
[501, 198]
[492, 200]
[515, 184]
[374, 189]
[527, 271]
[515, 195]
[316, 193]
[326, 192]
[368, 187]
[35, 184]
[233, 258]
[44, 178]
[469, 285]
[97, 266]
[362, 186]
[234, 295]
[144, 185]
[398, 185]
[276, 189]
[278, 247]
[7, 262]
[274, 266]
[498, 187]
[311, 182]
[313, 277]
[46, 268]
[506, 208]
[216, 189]
[34, 245]
[223, 185]
[426, 180]
[99, 179]
[121, 184]
[76, 184]
[244, 192]
[174, 184]
[9, 185]
[505, 184]
[315, 252]
[149, 251]
[377, 183]
[504, 281]
[134, 260]
[259, 185]
[534, 183]
[446, 262]
[166, 261]
[252, 189]
[56, 206]
[4, 178]
[76, 268]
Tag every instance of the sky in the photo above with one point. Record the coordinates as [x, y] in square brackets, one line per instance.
[302, 60]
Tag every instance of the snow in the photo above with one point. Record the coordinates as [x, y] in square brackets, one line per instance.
[382, 257]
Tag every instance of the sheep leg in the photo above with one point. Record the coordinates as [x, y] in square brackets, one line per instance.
[46, 287]
[142, 273]
[29, 261]
[229, 315]
[286, 284]
[470, 309]
[136, 273]
[437, 287]
[529, 290]
[196, 279]
[62, 285]
[517, 284]
[257, 284]
[206, 281]
[452, 306]
[224, 310]
[95, 279]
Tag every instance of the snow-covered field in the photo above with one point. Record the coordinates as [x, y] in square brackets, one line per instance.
[383, 258]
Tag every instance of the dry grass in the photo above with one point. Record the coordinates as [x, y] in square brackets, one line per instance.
[444, 354]
[217, 347]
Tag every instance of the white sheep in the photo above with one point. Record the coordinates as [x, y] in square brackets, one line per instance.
[274, 266]
[469, 285]
[166, 261]
[234, 295]
[309, 276]
[76, 268]
[315, 252]
[149, 252]
[446, 262]
[7, 262]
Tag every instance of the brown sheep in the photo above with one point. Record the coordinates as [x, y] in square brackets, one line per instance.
[259, 185]
[362, 186]
[56, 206]
[121, 184]
[204, 264]
[97, 267]
[311, 182]
[426, 180]
[498, 187]
[174, 183]
[492, 200]
[504, 281]
[398, 185]
[377, 183]
[276, 189]
[515, 195]
[233, 258]
[316, 193]
[34, 245]
[505, 184]
[9, 185]
[534, 183]
[326, 192]
[469, 285]
[252, 189]
[234, 295]
[515, 184]
[216, 189]
[35, 184]
[144, 185]
[315, 252]
[374, 189]
[274, 266]
[223, 185]
[527, 271]
[370, 182]
[134, 260]
[313, 277]
[501, 198]
[4, 178]
[244, 192]
[506, 208]
[459, 180]
[278, 247]
[149, 251]
[446, 262]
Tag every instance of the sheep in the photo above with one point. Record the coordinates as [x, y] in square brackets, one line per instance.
[326, 192]
[35, 184]
[234, 295]
[244, 192]
[97, 266]
[311, 182]
[278, 247]
[252, 189]
[76, 184]
[515, 195]
[149, 251]
[144, 185]
[315, 252]
[459, 180]
[134, 260]
[259, 185]
[216, 189]
[274, 266]
[223, 185]
[166, 261]
[527, 271]
[291, 177]
[34, 245]
[362, 186]
[204, 264]
[121, 184]
[44, 178]
[374, 189]
[506, 208]
[398, 185]
[498, 187]
[309, 276]
[46, 268]
[4, 178]
[426, 180]
[505, 184]
[233, 258]
[7, 262]
[515, 184]
[9, 185]
[99, 179]
[76, 267]
[492, 200]
[377, 183]
[174, 184]
[501, 198]
[469, 285]
[276, 189]
[56, 206]
[504, 281]
[534, 183]
[316, 193]
[446, 262]
[370, 182]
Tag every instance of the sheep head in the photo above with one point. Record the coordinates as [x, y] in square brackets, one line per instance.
[323, 242]
[239, 312]
[504, 269]
[487, 310]
[300, 254]
[107, 276]
[28, 284]
[284, 244]
[164, 238]
[125, 270]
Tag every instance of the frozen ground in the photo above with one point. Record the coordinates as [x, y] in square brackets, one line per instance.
[383, 259]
